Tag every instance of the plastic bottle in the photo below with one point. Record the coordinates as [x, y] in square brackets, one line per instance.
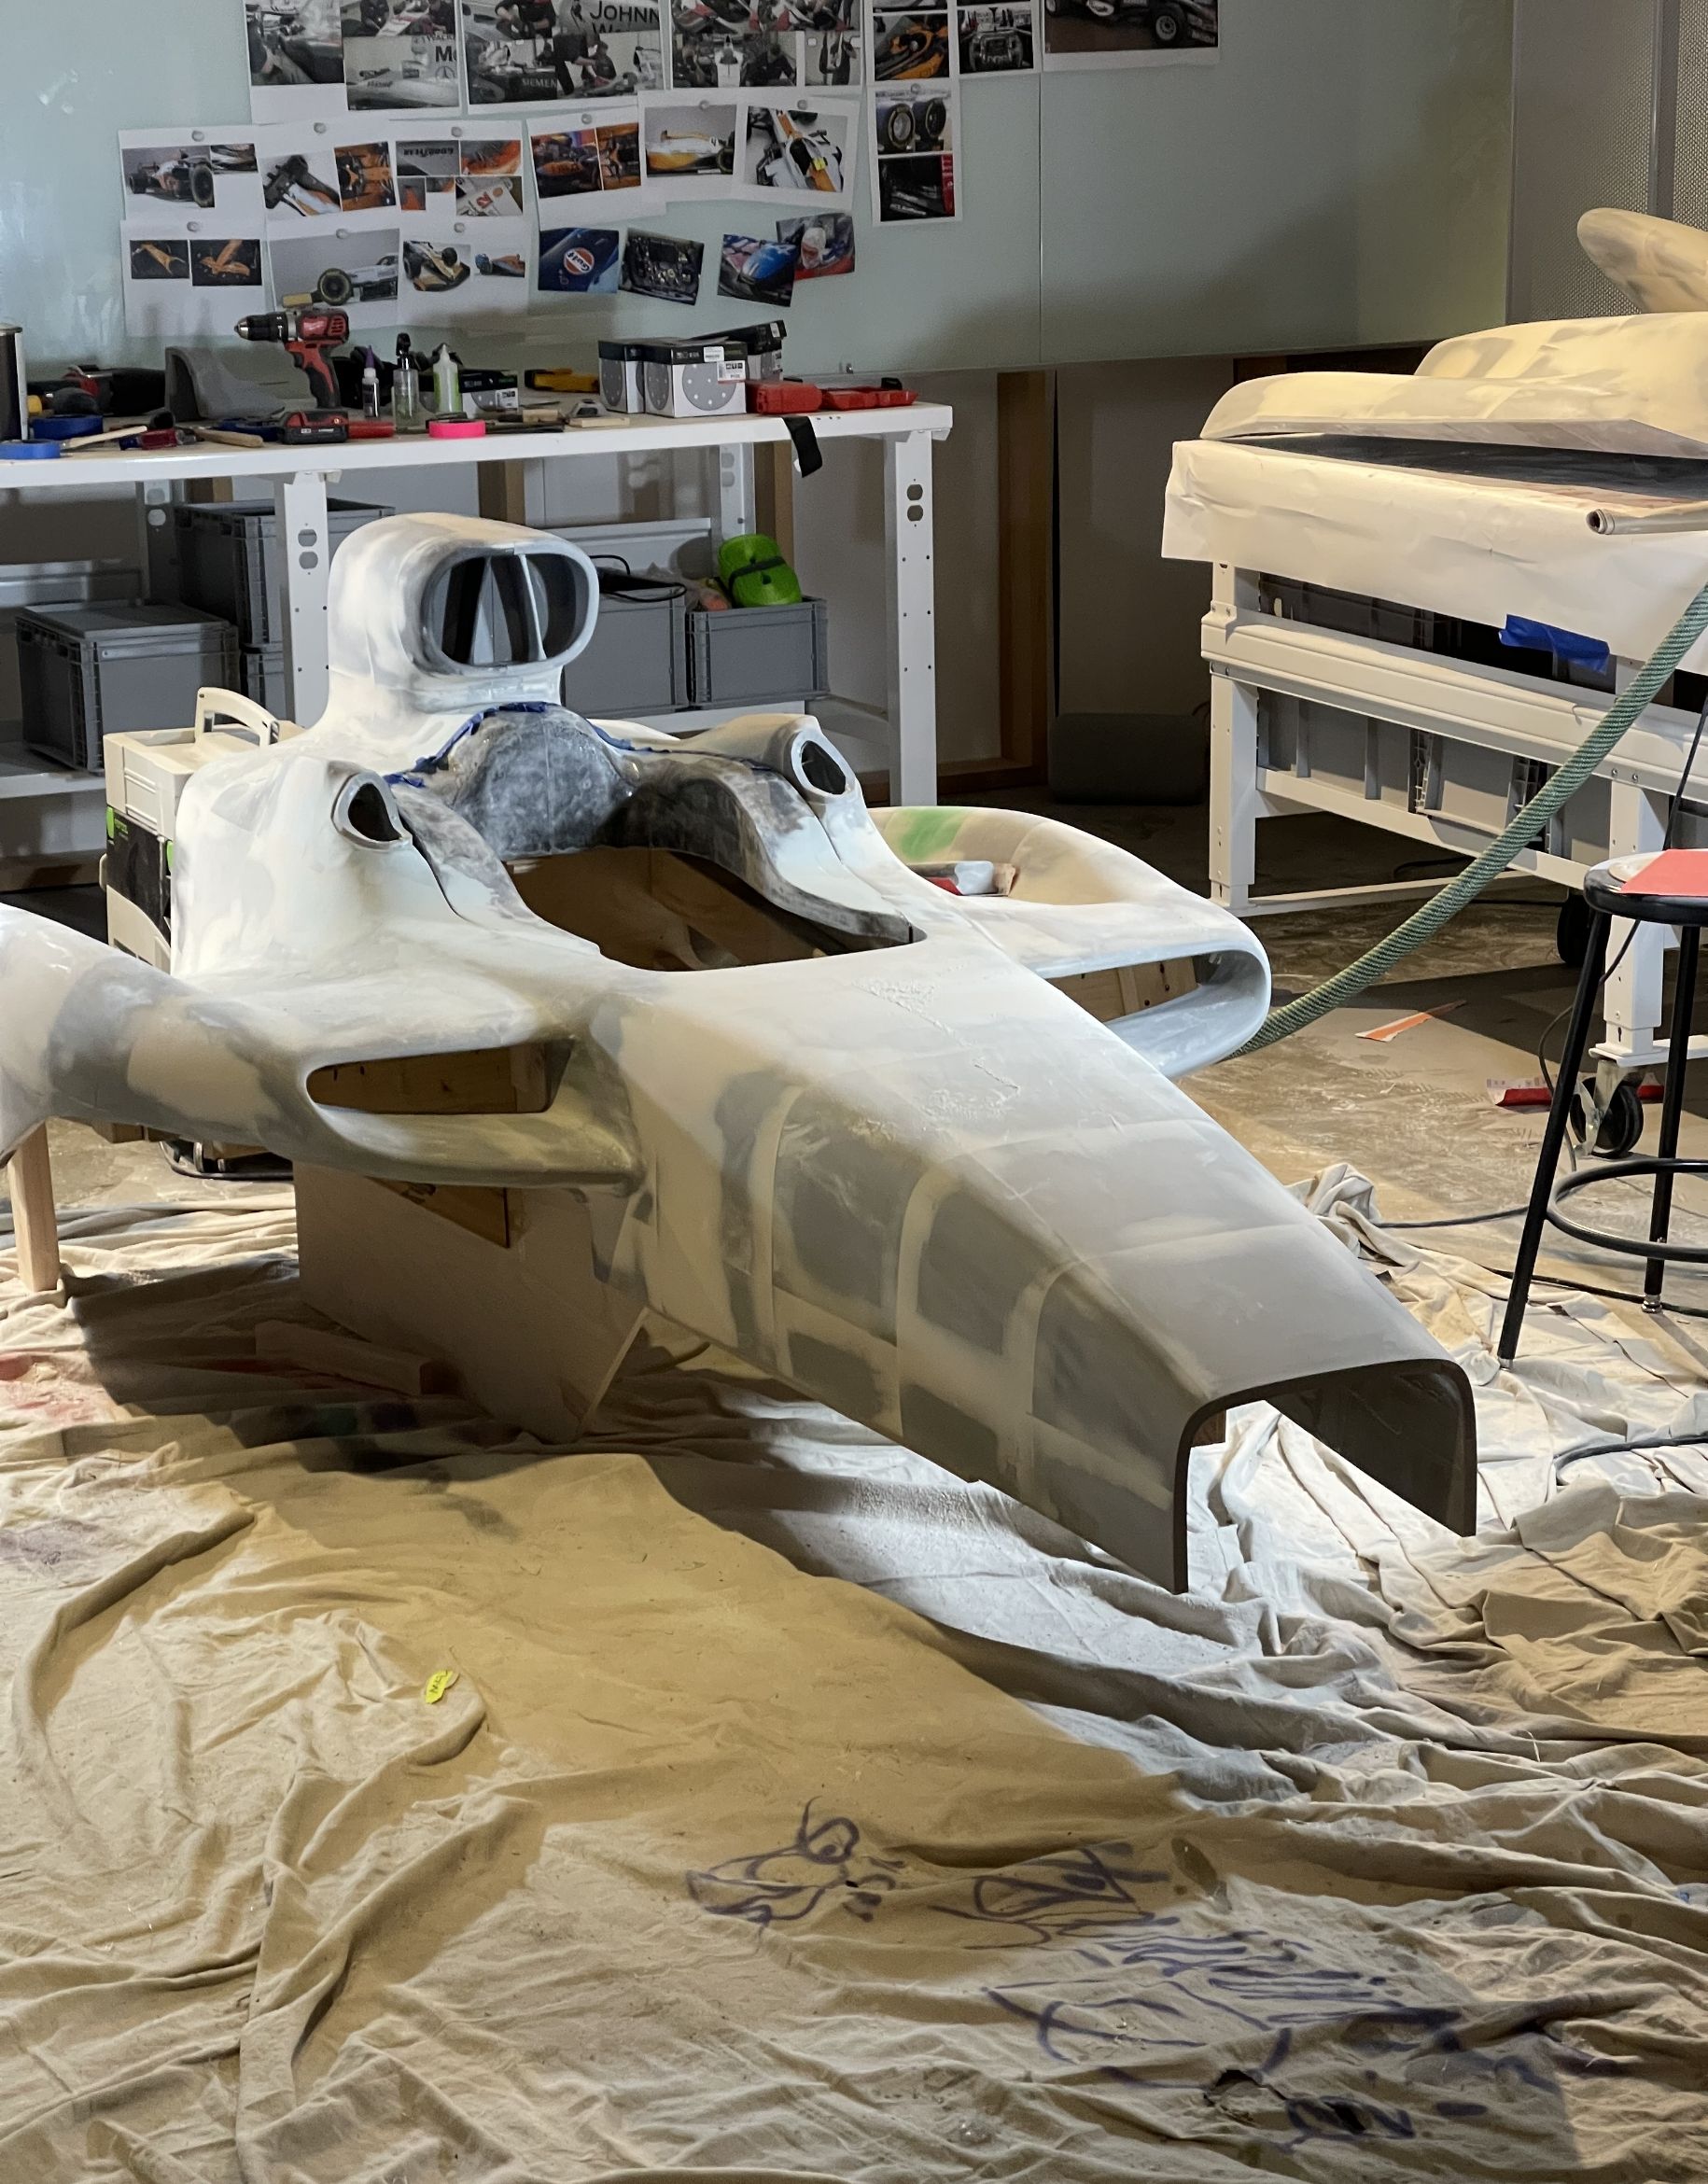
[406, 388]
[371, 385]
[447, 383]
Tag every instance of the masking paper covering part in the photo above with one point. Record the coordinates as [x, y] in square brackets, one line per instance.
[736, 1797]
[902, 1172]
[1478, 533]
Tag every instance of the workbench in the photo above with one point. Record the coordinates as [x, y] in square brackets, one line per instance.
[52, 817]
[1344, 585]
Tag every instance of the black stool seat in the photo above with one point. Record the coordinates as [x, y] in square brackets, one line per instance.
[1667, 886]
[1664, 886]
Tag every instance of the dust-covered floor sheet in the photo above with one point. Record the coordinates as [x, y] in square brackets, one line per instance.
[799, 1813]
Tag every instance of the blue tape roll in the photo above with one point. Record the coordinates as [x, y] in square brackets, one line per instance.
[28, 451]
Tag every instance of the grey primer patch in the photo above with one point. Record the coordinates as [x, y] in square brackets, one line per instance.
[947, 1434]
[1096, 1378]
[1124, 1523]
[974, 1269]
[837, 1377]
[740, 1115]
[840, 1201]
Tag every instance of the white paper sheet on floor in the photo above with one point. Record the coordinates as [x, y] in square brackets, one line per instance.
[1378, 1856]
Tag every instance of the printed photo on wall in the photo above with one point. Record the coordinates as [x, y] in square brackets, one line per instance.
[802, 150]
[298, 178]
[343, 269]
[690, 148]
[756, 270]
[296, 58]
[664, 266]
[428, 171]
[497, 197]
[909, 48]
[579, 261]
[719, 45]
[177, 285]
[587, 156]
[401, 54]
[433, 267]
[825, 241]
[916, 131]
[531, 52]
[191, 179]
[1091, 34]
[995, 41]
[364, 177]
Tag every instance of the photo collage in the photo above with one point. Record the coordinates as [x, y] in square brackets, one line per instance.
[450, 160]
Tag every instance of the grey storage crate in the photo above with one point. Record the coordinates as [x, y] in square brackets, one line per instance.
[758, 655]
[638, 661]
[227, 555]
[260, 675]
[86, 673]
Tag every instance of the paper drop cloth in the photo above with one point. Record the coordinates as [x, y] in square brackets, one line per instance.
[798, 1813]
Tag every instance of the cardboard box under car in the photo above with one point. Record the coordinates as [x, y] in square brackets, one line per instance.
[86, 673]
[759, 655]
[636, 662]
[227, 555]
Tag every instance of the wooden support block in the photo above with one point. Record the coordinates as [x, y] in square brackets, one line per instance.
[532, 1332]
[34, 1222]
[1108, 995]
[490, 1080]
[322, 1350]
[483, 1212]
[1025, 490]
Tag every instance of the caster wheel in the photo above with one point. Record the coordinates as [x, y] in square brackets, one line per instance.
[1621, 1126]
[1571, 933]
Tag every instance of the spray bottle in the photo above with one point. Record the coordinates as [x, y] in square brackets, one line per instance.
[406, 388]
[447, 383]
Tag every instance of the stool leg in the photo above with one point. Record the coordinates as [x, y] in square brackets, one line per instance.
[1671, 1104]
[1553, 1140]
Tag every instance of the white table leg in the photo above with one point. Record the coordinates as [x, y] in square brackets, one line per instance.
[1637, 820]
[1236, 805]
[307, 544]
[734, 490]
[911, 609]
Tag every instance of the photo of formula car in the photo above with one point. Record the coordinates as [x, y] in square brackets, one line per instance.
[756, 270]
[566, 164]
[1166, 19]
[825, 241]
[338, 285]
[185, 175]
[905, 48]
[794, 150]
[510, 266]
[435, 270]
[292, 46]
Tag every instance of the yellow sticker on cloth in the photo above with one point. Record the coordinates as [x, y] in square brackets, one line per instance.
[437, 1683]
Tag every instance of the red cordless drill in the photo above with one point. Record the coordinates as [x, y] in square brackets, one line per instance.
[308, 335]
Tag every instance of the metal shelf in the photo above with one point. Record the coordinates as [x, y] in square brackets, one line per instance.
[23, 773]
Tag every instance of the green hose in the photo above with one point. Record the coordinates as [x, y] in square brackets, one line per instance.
[1520, 830]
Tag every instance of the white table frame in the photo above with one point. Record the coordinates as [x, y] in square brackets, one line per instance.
[299, 478]
[1250, 654]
